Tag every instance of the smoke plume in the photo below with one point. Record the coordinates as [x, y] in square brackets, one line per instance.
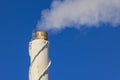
[78, 13]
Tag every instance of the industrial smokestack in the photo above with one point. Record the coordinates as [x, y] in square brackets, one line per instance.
[39, 59]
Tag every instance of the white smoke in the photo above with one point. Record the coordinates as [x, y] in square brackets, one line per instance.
[76, 13]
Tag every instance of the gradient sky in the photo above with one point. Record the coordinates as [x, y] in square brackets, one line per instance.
[85, 54]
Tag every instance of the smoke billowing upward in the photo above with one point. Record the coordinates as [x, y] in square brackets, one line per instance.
[76, 13]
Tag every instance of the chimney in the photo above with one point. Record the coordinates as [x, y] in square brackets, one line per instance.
[39, 59]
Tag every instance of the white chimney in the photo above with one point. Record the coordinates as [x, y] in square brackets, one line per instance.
[39, 59]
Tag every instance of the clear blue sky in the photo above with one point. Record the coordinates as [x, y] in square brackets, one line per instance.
[86, 54]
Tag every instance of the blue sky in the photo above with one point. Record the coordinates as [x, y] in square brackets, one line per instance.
[85, 54]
